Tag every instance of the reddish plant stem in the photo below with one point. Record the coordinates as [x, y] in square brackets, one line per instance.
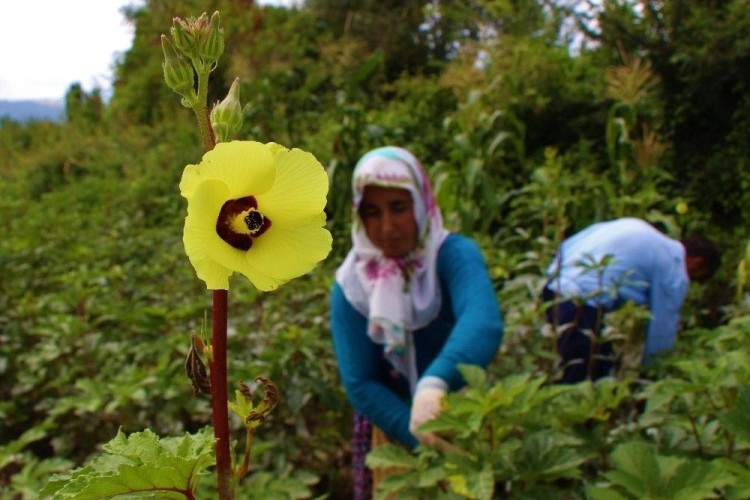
[219, 395]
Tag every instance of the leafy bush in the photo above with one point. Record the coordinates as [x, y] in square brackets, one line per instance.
[98, 303]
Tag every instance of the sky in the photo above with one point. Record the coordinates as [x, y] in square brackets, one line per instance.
[47, 45]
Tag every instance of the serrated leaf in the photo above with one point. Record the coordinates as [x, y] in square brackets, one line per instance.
[142, 464]
[483, 487]
[636, 467]
[547, 456]
[392, 486]
[737, 420]
[459, 485]
[431, 476]
[698, 479]
[390, 455]
[268, 486]
[447, 422]
[241, 406]
[251, 414]
[644, 474]
[29, 436]
[605, 493]
[475, 376]
[740, 488]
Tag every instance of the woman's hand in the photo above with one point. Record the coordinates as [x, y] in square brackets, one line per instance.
[425, 407]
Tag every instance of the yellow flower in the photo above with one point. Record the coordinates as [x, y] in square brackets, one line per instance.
[255, 209]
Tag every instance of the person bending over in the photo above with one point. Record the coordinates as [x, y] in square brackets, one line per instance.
[608, 264]
[410, 303]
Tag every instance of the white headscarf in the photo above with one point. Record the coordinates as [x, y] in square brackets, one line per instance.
[397, 295]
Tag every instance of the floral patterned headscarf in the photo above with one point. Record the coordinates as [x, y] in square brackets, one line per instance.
[397, 295]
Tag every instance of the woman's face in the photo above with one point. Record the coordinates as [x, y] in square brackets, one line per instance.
[388, 217]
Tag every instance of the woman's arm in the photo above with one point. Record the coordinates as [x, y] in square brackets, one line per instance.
[478, 331]
[359, 361]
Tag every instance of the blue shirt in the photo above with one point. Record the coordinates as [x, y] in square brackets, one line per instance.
[645, 266]
[468, 330]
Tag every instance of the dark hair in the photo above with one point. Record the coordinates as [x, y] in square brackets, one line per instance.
[698, 246]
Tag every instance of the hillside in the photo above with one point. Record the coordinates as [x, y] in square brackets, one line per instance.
[26, 110]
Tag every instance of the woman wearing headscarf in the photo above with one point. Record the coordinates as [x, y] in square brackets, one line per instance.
[410, 303]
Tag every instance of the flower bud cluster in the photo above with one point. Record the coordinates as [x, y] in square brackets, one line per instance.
[193, 52]
[201, 40]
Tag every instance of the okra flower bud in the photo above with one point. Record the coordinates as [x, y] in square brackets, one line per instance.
[178, 72]
[183, 34]
[211, 44]
[227, 116]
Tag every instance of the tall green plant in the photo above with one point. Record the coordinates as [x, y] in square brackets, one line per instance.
[634, 155]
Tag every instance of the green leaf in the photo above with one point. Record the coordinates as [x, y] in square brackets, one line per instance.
[484, 485]
[740, 488]
[698, 479]
[545, 456]
[474, 375]
[606, 493]
[272, 486]
[737, 420]
[390, 455]
[431, 477]
[394, 485]
[140, 464]
[641, 473]
[459, 485]
[636, 467]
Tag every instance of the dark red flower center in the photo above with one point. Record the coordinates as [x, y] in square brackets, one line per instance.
[240, 222]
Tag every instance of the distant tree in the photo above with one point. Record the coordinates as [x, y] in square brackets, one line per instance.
[699, 50]
[82, 109]
[390, 26]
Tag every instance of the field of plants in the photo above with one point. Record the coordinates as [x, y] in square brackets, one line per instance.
[533, 118]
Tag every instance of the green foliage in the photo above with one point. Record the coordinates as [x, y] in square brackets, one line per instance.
[85, 111]
[641, 473]
[526, 141]
[514, 434]
[264, 485]
[140, 466]
[695, 48]
[533, 440]
[95, 329]
[699, 408]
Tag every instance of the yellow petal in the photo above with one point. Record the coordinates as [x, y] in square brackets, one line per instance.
[247, 167]
[199, 236]
[289, 252]
[299, 191]
[237, 260]
[214, 274]
[260, 280]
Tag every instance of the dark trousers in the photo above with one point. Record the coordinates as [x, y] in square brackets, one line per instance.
[577, 324]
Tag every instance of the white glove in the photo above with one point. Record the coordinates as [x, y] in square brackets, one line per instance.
[425, 407]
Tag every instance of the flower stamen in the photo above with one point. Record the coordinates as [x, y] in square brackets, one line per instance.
[254, 221]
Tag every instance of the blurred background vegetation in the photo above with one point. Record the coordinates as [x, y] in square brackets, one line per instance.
[534, 118]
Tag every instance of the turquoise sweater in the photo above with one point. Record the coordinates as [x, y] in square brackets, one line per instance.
[468, 330]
